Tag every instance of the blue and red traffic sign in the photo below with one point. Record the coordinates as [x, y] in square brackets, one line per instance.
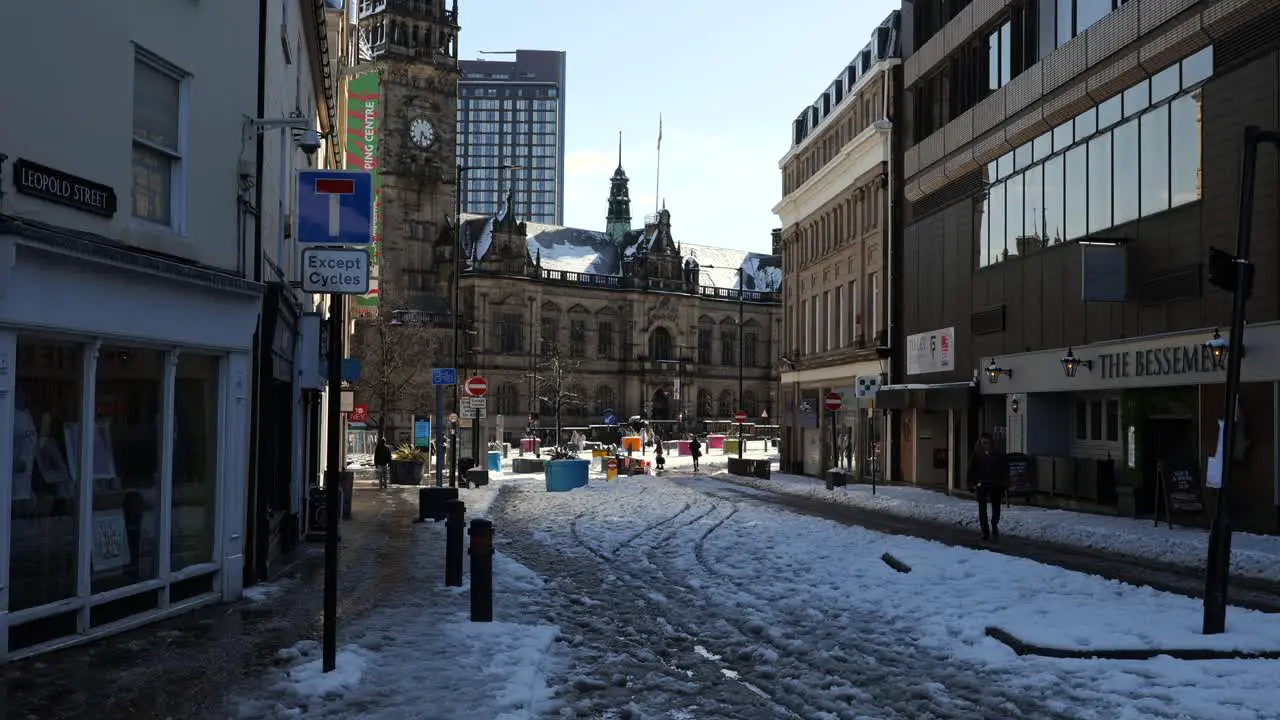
[335, 207]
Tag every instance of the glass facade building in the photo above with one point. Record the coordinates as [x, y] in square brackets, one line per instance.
[511, 133]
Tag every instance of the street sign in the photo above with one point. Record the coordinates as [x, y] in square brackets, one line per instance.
[335, 207]
[444, 376]
[475, 402]
[739, 416]
[866, 386]
[453, 418]
[359, 414]
[476, 386]
[350, 370]
[832, 401]
[475, 407]
[764, 414]
[609, 417]
[421, 432]
[335, 270]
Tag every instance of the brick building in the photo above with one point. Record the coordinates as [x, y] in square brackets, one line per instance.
[1068, 165]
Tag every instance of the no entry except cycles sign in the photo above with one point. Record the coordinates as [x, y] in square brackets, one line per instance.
[476, 386]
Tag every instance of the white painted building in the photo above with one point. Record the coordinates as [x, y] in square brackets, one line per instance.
[129, 296]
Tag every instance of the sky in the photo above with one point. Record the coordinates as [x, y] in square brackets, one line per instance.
[727, 77]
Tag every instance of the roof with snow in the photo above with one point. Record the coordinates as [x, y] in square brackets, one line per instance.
[589, 251]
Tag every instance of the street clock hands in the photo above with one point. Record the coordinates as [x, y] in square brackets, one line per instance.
[422, 133]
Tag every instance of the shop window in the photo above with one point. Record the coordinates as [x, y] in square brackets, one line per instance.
[125, 475]
[1113, 420]
[1082, 420]
[45, 507]
[1097, 420]
[195, 460]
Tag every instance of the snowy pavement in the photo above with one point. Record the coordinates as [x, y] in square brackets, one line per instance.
[674, 598]
[1254, 556]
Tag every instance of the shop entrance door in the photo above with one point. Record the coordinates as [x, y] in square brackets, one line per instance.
[1171, 440]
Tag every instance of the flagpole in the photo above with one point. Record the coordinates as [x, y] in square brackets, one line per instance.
[657, 182]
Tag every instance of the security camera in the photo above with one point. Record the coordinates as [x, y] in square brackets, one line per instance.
[309, 142]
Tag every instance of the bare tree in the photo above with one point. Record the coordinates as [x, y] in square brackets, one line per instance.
[554, 376]
[396, 351]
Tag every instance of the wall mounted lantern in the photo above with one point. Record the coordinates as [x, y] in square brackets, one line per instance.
[1218, 346]
[1072, 364]
[995, 371]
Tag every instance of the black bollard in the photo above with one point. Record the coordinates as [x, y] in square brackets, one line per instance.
[481, 552]
[455, 520]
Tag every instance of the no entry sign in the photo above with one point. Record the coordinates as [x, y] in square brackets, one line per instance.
[476, 386]
[832, 401]
[739, 416]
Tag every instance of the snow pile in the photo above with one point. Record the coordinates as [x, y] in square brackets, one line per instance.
[1256, 556]
[693, 596]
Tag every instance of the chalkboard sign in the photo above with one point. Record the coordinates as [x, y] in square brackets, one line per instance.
[1183, 486]
[1179, 490]
[1021, 473]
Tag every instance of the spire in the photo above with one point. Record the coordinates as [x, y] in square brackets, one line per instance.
[618, 218]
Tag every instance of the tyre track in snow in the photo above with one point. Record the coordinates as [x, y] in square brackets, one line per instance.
[634, 649]
[977, 693]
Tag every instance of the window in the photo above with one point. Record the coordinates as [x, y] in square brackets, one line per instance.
[728, 346]
[1077, 186]
[44, 553]
[605, 340]
[751, 349]
[1013, 214]
[195, 467]
[1033, 205]
[1113, 420]
[1154, 188]
[1095, 420]
[1184, 163]
[577, 338]
[855, 313]
[550, 335]
[660, 344]
[605, 399]
[510, 331]
[1054, 198]
[874, 279]
[704, 344]
[984, 231]
[996, 244]
[158, 142]
[508, 399]
[1100, 183]
[1124, 172]
[824, 325]
[1082, 420]
[804, 326]
[837, 326]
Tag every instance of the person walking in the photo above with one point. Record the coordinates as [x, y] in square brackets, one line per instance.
[382, 461]
[695, 451]
[659, 459]
[988, 477]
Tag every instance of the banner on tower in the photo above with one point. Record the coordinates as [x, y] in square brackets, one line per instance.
[364, 125]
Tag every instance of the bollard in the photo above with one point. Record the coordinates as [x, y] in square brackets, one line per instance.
[454, 521]
[481, 552]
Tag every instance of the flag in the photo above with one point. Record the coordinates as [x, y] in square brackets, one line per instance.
[659, 132]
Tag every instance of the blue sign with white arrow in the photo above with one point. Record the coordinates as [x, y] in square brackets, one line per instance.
[444, 376]
[335, 207]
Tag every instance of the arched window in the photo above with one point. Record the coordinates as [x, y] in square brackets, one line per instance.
[660, 344]
[605, 400]
[576, 403]
[726, 404]
[508, 399]
[706, 407]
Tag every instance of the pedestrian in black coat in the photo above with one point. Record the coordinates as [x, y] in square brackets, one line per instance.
[988, 478]
[382, 461]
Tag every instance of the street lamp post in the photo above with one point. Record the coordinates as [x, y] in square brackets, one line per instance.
[457, 306]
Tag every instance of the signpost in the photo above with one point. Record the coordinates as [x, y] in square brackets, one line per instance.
[739, 416]
[334, 208]
[441, 377]
[475, 406]
[832, 403]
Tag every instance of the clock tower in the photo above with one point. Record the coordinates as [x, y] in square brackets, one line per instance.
[414, 45]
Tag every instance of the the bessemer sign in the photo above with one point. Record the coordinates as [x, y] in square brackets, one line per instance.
[1160, 361]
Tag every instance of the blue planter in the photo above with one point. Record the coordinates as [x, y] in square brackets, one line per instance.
[565, 475]
[495, 461]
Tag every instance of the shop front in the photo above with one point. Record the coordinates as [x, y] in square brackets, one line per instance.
[1109, 426]
[852, 439]
[124, 408]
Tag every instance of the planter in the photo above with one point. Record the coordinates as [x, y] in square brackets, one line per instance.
[715, 442]
[495, 461]
[527, 465]
[407, 472]
[565, 475]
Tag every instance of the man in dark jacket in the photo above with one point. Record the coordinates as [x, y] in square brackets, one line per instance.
[382, 461]
[987, 478]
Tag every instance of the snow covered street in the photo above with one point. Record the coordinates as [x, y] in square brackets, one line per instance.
[686, 597]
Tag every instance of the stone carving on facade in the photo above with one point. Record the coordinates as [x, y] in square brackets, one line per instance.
[663, 310]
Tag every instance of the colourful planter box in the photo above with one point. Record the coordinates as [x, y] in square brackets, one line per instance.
[631, 443]
[495, 461]
[565, 475]
[682, 447]
[715, 442]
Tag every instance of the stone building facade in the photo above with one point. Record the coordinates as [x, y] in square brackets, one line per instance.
[837, 228]
[651, 324]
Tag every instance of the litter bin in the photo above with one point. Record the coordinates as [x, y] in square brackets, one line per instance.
[495, 461]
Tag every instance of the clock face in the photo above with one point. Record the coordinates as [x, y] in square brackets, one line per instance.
[422, 133]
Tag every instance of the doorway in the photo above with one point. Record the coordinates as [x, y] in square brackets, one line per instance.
[1171, 440]
[661, 409]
